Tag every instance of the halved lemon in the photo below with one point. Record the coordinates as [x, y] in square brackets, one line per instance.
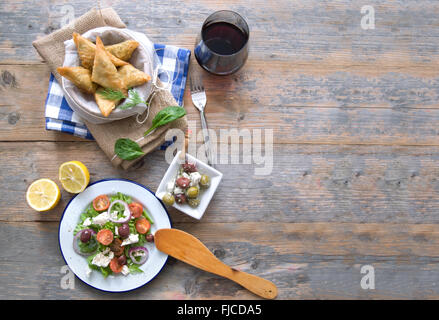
[43, 195]
[74, 176]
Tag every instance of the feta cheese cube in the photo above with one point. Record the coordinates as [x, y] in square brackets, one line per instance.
[101, 219]
[178, 190]
[86, 222]
[103, 259]
[184, 174]
[132, 238]
[195, 179]
[125, 270]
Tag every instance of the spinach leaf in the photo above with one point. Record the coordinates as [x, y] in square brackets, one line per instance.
[134, 268]
[88, 247]
[165, 116]
[127, 149]
[121, 196]
[105, 271]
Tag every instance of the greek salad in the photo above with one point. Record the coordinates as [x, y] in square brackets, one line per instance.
[112, 234]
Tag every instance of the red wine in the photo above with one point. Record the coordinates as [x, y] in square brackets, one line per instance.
[224, 38]
[222, 45]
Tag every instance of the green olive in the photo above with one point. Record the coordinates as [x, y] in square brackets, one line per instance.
[194, 202]
[205, 181]
[168, 199]
[192, 192]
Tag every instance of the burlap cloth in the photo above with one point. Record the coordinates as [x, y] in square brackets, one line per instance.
[51, 49]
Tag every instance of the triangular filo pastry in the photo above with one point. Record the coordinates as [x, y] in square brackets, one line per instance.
[86, 51]
[105, 105]
[104, 72]
[132, 77]
[80, 76]
[123, 50]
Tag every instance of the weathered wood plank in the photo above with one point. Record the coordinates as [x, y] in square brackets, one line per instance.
[24, 90]
[290, 28]
[308, 183]
[299, 107]
[306, 261]
[343, 67]
[315, 77]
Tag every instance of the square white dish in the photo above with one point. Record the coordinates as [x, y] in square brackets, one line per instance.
[206, 195]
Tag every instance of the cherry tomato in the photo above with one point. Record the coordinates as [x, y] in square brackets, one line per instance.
[105, 237]
[101, 203]
[142, 226]
[115, 265]
[136, 209]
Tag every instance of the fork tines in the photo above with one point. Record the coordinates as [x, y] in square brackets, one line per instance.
[196, 83]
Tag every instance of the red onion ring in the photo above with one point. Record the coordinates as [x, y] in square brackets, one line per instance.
[75, 243]
[127, 212]
[144, 257]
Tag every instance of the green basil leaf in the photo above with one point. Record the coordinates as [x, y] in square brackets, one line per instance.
[127, 149]
[165, 116]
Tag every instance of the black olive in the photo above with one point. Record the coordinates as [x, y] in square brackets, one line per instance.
[150, 238]
[180, 198]
[85, 236]
[124, 230]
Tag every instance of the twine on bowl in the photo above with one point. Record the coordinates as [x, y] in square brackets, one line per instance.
[158, 84]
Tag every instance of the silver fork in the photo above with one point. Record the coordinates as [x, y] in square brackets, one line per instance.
[199, 100]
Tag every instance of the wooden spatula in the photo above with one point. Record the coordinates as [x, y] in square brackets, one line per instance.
[187, 248]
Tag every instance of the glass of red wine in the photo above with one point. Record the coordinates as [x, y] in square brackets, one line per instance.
[222, 46]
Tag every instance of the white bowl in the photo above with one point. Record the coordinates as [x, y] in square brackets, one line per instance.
[143, 58]
[206, 194]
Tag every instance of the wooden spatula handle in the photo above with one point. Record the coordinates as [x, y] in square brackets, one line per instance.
[185, 247]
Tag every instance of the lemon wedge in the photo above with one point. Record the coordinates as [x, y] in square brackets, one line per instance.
[74, 176]
[43, 195]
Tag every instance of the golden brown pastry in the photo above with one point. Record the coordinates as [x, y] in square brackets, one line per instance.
[104, 71]
[123, 50]
[106, 106]
[132, 77]
[80, 76]
[87, 49]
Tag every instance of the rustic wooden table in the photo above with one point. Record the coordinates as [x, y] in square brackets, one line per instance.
[355, 176]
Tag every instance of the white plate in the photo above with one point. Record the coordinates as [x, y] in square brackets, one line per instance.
[78, 264]
[205, 196]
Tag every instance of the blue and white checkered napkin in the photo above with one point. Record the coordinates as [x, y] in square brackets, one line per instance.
[60, 117]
